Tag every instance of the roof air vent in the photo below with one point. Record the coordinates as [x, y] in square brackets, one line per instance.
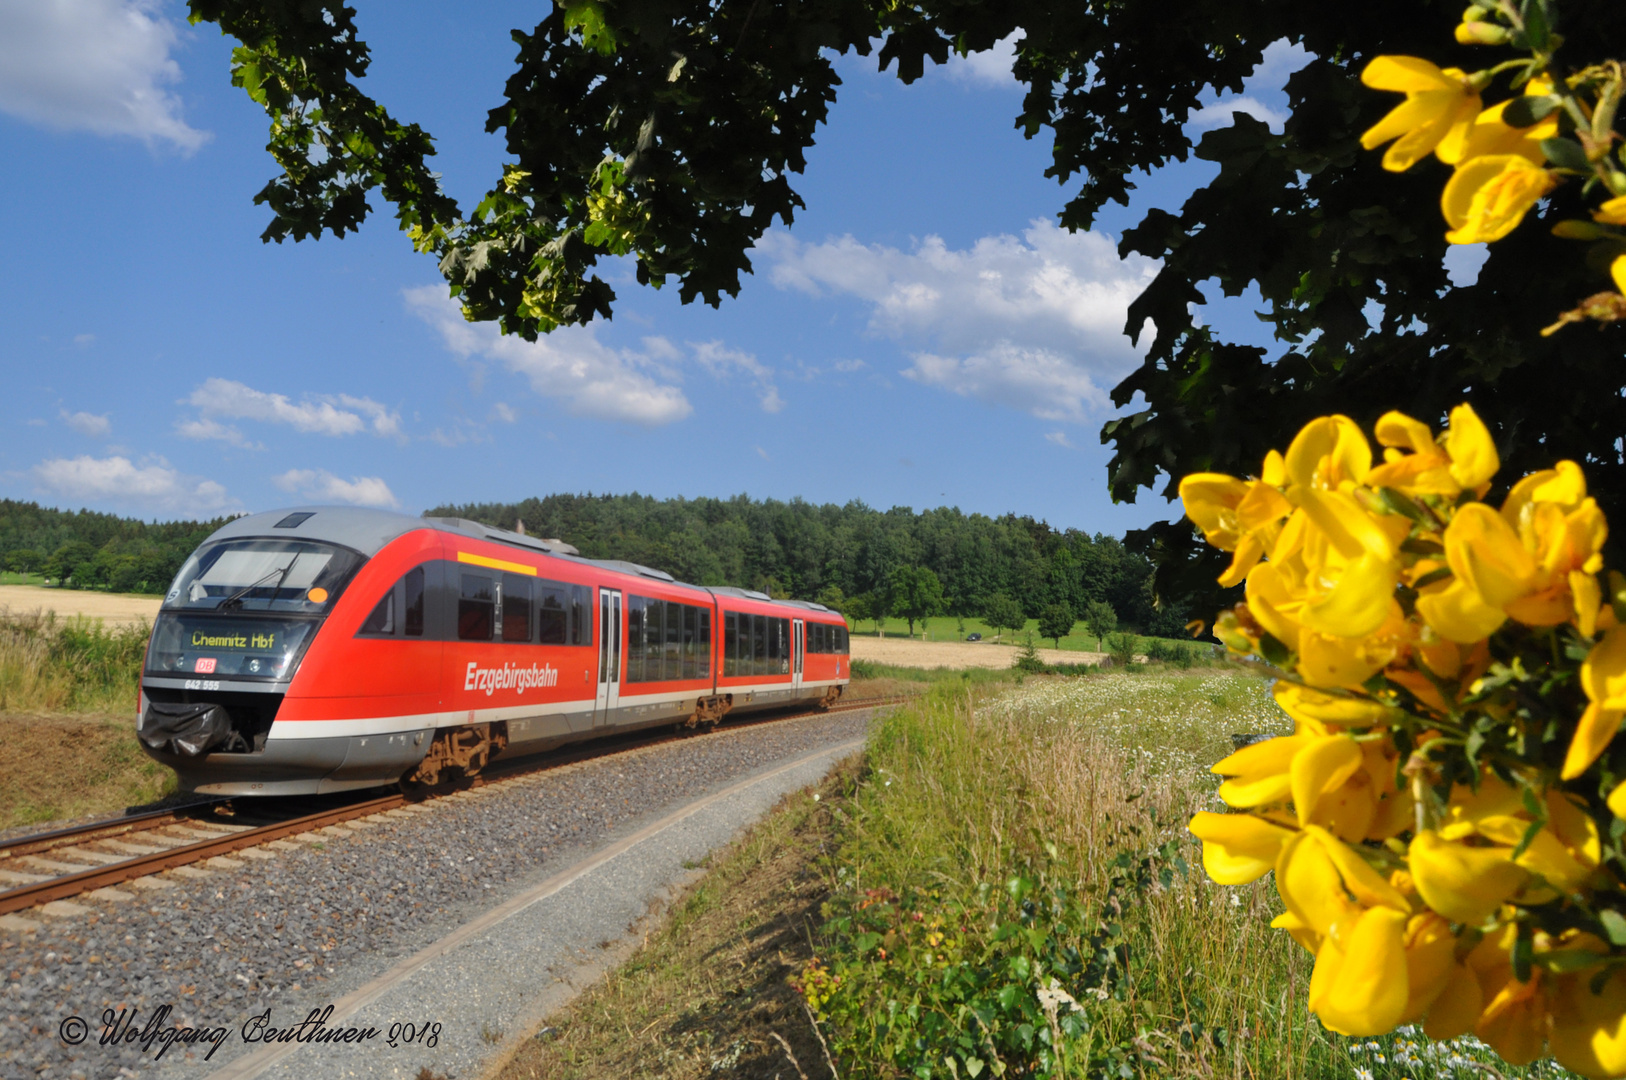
[294, 521]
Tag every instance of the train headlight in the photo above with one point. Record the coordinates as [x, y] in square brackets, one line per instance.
[254, 665]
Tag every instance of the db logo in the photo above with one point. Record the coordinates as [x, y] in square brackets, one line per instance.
[205, 665]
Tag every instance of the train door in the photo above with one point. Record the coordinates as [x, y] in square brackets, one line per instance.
[798, 637]
[609, 657]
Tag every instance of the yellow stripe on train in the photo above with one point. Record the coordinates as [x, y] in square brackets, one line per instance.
[496, 564]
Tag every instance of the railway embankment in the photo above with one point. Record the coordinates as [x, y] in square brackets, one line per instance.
[474, 915]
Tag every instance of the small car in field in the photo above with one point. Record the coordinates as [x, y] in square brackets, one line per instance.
[973, 637]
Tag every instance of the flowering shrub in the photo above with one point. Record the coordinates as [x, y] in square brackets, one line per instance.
[1558, 128]
[1445, 821]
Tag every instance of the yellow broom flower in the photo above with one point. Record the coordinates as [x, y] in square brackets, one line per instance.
[1488, 196]
[1440, 107]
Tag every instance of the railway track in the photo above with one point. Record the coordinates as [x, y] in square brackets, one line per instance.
[55, 866]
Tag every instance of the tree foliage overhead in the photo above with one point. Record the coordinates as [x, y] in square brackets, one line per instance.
[667, 130]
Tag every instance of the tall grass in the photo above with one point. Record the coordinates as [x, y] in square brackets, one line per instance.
[53, 665]
[1069, 783]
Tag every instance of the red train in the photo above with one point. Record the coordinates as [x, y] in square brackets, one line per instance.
[326, 648]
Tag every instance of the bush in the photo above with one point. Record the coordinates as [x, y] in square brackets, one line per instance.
[51, 665]
[1122, 648]
[1027, 660]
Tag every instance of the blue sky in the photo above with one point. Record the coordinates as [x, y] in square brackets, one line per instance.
[923, 336]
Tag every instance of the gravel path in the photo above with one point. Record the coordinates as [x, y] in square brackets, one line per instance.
[300, 931]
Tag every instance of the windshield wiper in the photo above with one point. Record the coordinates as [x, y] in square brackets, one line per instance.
[236, 597]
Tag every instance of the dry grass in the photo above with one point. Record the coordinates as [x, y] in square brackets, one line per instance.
[708, 995]
[57, 768]
[968, 793]
[76, 665]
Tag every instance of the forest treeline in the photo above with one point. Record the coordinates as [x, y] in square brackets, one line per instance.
[791, 549]
[812, 552]
[96, 551]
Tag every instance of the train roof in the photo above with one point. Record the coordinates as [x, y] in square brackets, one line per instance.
[368, 531]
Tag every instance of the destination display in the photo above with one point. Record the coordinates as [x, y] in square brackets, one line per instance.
[248, 647]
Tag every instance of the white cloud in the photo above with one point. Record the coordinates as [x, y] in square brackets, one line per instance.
[571, 364]
[991, 67]
[1035, 322]
[213, 429]
[850, 365]
[319, 485]
[84, 340]
[1058, 437]
[93, 65]
[1220, 113]
[719, 360]
[1263, 91]
[334, 415]
[504, 412]
[88, 424]
[761, 453]
[152, 484]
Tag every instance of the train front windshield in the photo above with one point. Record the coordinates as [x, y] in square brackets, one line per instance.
[248, 608]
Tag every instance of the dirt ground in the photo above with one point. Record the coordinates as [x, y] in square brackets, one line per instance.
[59, 768]
[112, 608]
[901, 652]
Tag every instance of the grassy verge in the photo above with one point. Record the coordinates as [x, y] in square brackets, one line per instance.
[709, 994]
[1014, 893]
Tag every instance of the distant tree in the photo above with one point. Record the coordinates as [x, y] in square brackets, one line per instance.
[833, 598]
[1001, 612]
[857, 608]
[1100, 620]
[69, 559]
[23, 561]
[915, 594]
[880, 606]
[1056, 622]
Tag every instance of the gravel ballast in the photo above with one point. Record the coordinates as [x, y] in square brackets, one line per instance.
[326, 918]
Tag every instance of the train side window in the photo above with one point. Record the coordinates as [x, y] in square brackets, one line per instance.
[581, 615]
[654, 643]
[674, 641]
[516, 607]
[841, 640]
[731, 644]
[691, 631]
[413, 618]
[476, 608]
[703, 669]
[552, 614]
[759, 645]
[382, 620]
[635, 638]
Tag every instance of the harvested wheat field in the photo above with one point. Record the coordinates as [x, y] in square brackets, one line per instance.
[902, 652]
[111, 608]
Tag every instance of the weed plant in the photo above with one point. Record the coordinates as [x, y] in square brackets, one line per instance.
[1015, 894]
[53, 665]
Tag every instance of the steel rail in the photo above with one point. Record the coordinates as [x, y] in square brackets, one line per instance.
[98, 877]
[91, 831]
